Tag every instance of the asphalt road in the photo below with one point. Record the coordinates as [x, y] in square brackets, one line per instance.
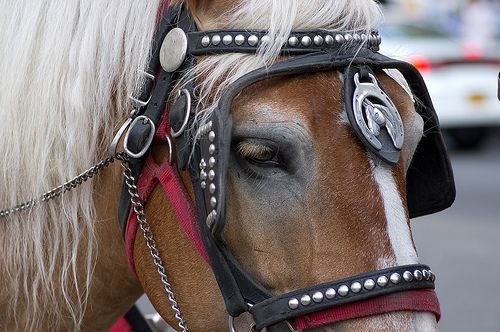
[462, 244]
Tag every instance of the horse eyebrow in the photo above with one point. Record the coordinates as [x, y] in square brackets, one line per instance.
[252, 149]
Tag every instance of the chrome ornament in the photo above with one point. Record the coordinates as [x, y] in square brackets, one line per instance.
[330, 293]
[306, 41]
[318, 40]
[293, 303]
[239, 40]
[305, 300]
[343, 290]
[369, 284]
[317, 297]
[356, 287]
[395, 278]
[408, 276]
[216, 40]
[371, 116]
[382, 281]
[329, 40]
[173, 50]
[293, 41]
[205, 41]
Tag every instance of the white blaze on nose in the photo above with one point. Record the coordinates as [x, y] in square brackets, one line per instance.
[397, 225]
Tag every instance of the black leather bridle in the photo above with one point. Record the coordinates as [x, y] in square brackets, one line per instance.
[430, 185]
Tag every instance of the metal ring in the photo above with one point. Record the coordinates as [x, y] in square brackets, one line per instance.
[149, 140]
[118, 136]
[173, 133]
[170, 149]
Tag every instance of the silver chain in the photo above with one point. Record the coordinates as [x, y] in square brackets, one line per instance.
[136, 205]
[138, 208]
[59, 190]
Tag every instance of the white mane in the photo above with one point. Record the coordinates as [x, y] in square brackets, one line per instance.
[66, 70]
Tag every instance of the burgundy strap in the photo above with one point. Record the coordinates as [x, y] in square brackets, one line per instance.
[122, 325]
[168, 176]
[421, 300]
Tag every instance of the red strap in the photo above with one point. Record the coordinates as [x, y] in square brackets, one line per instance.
[168, 176]
[121, 326]
[421, 300]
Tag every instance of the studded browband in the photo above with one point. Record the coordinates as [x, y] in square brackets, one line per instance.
[176, 44]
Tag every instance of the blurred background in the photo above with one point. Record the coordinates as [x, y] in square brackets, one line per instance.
[456, 46]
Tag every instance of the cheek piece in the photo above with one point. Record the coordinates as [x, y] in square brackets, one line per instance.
[373, 118]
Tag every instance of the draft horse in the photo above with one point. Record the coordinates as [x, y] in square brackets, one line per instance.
[272, 160]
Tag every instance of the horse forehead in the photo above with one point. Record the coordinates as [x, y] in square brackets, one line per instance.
[302, 98]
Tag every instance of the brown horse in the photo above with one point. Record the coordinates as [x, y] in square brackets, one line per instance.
[306, 202]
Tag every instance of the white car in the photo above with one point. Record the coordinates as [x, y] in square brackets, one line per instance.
[462, 77]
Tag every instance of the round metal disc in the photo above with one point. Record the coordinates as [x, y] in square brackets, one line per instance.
[173, 50]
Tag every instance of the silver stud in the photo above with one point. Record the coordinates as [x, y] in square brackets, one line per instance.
[318, 40]
[372, 39]
[395, 278]
[293, 303]
[203, 184]
[433, 276]
[203, 175]
[173, 50]
[239, 40]
[211, 175]
[211, 149]
[382, 281]
[356, 287]
[305, 300]
[211, 188]
[213, 201]
[379, 39]
[347, 37]
[227, 39]
[306, 41]
[426, 274]
[253, 40]
[369, 284]
[203, 164]
[215, 40]
[265, 39]
[211, 136]
[329, 39]
[293, 41]
[211, 218]
[211, 162]
[408, 276]
[317, 297]
[363, 37]
[205, 41]
[339, 38]
[330, 293]
[343, 290]
[356, 37]
[418, 275]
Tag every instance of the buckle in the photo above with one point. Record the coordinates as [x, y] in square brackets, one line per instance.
[138, 103]
[149, 139]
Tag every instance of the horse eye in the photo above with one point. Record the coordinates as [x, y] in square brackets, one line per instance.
[258, 154]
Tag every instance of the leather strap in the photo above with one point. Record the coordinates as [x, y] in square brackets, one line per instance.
[248, 41]
[280, 308]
